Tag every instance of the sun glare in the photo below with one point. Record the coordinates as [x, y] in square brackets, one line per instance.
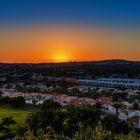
[61, 58]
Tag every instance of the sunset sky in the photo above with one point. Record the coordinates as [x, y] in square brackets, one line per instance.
[69, 30]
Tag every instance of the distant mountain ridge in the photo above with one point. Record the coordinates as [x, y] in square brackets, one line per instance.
[84, 69]
[99, 62]
[118, 61]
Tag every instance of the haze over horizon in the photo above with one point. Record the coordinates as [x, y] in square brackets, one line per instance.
[59, 31]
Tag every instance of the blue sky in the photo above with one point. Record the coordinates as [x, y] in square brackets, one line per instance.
[125, 13]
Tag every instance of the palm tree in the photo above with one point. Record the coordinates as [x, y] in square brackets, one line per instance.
[117, 106]
[1, 92]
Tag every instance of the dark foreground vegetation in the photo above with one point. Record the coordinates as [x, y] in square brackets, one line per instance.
[54, 122]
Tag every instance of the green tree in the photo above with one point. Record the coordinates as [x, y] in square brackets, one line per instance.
[101, 133]
[135, 106]
[6, 132]
[17, 101]
[114, 124]
[50, 104]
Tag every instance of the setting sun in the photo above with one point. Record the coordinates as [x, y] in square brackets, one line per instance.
[61, 58]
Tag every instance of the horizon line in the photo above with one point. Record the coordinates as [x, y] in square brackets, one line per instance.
[84, 61]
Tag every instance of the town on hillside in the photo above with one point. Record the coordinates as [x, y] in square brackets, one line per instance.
[118, 93]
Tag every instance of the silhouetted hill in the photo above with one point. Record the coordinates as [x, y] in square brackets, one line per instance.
[101, 62]
[77, 69]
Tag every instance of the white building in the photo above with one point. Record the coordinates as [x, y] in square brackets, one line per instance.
[111, 82]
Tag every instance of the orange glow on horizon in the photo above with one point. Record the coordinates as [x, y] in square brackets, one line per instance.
[65, 44]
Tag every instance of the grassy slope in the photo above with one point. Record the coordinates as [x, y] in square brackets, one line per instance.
[18, 114]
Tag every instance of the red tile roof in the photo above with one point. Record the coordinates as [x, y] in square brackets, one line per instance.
[135, 119]
[79, 102]
[104, 100]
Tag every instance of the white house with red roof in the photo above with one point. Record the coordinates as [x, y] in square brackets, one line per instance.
[107, 104]
[79, 101]
[83, 89]
[104, 100]
[135, 120]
